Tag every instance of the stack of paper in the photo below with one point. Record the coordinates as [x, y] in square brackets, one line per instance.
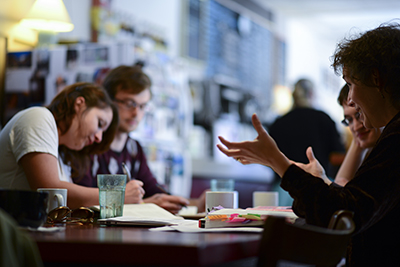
[250, 217]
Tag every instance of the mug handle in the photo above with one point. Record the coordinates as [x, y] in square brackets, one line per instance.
[60, 199]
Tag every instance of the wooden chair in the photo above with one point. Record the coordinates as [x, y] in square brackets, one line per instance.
[286, 244]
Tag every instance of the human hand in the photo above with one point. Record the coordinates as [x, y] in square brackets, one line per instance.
[171, 203]
[313, 167]
[356, 146]
[262, 150]
[134, 192]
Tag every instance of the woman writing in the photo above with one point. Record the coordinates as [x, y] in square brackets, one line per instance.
[370, 65]
[81, 120]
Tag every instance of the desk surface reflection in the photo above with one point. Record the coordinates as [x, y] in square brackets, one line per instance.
[92, 244]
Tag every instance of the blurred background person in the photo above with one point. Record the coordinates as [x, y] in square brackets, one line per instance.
[302, 127]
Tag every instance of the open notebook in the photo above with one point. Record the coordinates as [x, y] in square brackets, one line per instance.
[147, 214]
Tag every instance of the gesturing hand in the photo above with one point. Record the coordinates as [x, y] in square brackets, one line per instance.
[262, 150]
[313, 167]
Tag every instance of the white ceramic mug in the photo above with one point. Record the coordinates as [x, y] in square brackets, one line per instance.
[264, 198]
[225, 199]
[57, 197]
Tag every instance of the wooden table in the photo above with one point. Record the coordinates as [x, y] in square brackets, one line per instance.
[92, 244]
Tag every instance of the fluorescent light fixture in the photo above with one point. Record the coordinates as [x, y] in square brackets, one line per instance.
[48, 15]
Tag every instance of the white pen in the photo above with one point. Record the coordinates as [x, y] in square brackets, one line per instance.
[126, 171]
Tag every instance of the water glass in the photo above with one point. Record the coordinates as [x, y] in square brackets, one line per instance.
[111, 194]
[222, 185]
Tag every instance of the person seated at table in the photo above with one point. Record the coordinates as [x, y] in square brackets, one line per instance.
[80, 120]
[130, 88]
[304, 126]
[370, 65]
[363, 140]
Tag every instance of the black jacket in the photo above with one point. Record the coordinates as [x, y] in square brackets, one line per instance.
[373, 194]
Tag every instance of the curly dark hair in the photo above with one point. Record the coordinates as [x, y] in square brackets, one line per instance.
[375, 51]
[62, 108]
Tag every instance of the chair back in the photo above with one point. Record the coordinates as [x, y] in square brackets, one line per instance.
[306, 244]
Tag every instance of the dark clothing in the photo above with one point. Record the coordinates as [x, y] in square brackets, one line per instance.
[111, 163]
[373, 195]
[304, 127]
[299, 129]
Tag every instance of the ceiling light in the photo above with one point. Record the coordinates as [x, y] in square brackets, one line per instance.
[48, 15]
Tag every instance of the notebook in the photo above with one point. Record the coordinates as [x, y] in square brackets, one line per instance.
[147, 214]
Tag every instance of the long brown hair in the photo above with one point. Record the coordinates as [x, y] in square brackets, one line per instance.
[62, 108]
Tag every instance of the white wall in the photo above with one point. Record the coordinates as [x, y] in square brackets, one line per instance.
[308, 56]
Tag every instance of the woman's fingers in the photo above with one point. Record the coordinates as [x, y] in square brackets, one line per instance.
[224, 141]
[228, 152]
[310, 154]
[257, 124]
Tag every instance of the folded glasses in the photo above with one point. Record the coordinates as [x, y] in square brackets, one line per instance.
[64, 214]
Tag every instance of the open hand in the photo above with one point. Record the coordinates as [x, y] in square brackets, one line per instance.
[262, 150]
[313, 167]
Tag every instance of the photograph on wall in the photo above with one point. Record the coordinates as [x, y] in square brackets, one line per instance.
[95, 55]
[19, 60]
[42, 63]
[72, 59]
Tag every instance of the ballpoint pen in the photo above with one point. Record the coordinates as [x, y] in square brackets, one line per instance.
[126, 171]
[162, 189]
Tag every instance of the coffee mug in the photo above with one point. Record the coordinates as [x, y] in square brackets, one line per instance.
[28, 208]
[265, 198]
[225, 199]
[57, 197]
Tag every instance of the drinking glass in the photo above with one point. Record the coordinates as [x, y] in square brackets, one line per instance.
[111, 194]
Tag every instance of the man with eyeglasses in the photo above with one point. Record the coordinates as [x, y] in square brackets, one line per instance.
[129, 87]
[362, 142]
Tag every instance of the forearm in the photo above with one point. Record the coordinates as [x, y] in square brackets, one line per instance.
[279, 163]
[41, 171]
[351, 163]
[81, 196]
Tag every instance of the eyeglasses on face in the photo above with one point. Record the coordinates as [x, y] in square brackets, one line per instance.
[64, 214]
[350, 120]
[131, 105]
